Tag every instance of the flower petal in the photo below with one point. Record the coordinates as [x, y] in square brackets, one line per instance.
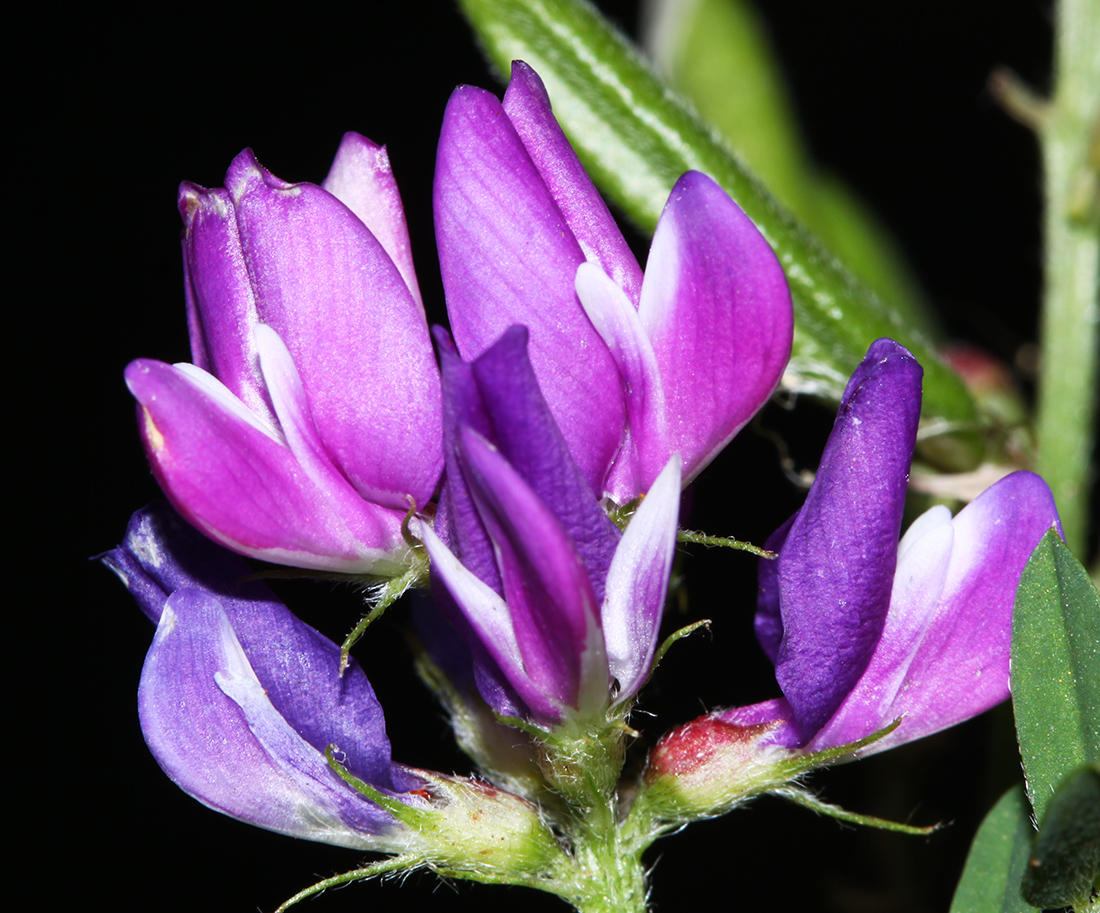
[491, 621]
[161, 555]
[960, 667]
[205, 743]
[637, 582]
[508, 256]
[716, 307]
[528, 108]
[546, 587]
[221, 308]
[645, 449]
[361, 178]
[357, 336]
[837, 565]
[524, 431]
[237, 481]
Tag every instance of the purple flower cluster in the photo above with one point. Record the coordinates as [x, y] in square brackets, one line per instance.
[315, 416]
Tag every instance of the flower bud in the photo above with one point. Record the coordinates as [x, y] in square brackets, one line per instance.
[475, 827]
[708, 766]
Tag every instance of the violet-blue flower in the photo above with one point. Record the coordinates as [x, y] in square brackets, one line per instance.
[556, 605]
[311, 413]
[633, 371]
[239, 699]
[863, 630]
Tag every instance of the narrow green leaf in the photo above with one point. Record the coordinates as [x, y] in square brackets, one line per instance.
[990, 882]
[1055, 669]
[636, 138]
[1065, 860]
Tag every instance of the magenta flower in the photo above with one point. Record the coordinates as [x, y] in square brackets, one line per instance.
[632, 370]
[864, 630]
[239, 699]
[559, 610]
[311, 413]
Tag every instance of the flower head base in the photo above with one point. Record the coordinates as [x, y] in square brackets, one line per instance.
[555, 604]
[311, 412]
[675, 363]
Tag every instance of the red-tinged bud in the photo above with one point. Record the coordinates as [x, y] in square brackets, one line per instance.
[708, 766]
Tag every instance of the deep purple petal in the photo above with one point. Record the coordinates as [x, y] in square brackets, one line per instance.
[245, 762]
[458, 522]
[221, 308]
[508, 256]
[645, 448]
[238, 482]
[528, 438]
[959, 665]
[716, 307]
[638, 582]
[768, 623]
[528, 108]
[361, 178]
[358, 338]
[546, 587]
[837, 565]
[297, 666]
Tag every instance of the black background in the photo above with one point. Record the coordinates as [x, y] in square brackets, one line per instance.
[112, 109]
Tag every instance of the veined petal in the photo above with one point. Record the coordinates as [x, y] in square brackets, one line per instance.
[523, 429]
[716, 306]
[961, 665]
[203, 740]
[361, 178]
[508, 256]
[645, 449]
[221, 308]
[837, 566]
[637, 582]
[237, 481]
[161, 554]
[491, 620]
[546, 587]
[357, 336]
[528, 108]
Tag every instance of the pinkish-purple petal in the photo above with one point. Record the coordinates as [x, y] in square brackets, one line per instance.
[236, 480]
[490, 620]
[716, 307]
[837, 564]
[546, 587]
[508, 256]
[221, 308]
[361, 178]
[356, 334]
[528, 108]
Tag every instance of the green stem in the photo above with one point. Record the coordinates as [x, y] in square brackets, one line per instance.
[1069, 332]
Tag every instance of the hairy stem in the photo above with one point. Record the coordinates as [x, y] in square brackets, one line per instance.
[1069, 140]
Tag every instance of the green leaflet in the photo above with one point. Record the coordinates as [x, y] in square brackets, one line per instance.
[636, 138]
[990, 882]
[1065, 860]
[1055, 669]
